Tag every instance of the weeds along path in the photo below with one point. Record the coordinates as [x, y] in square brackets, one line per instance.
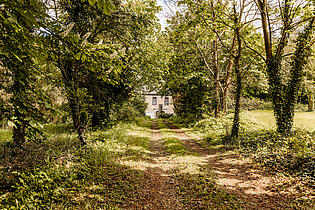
[158, 187]
[254, 188]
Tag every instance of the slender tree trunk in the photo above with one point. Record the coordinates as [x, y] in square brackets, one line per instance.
[229, 71]
[67, 71]
[236, 120]
[310, 102]
[75, 110]
[19, 92]
[215, 67]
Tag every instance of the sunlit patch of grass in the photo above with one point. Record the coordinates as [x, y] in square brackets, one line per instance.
[304, 120]
[5, 135]
[161, 124]
[200, 191]
[176, 147]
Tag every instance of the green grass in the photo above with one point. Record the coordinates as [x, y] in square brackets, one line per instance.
[5, 135]
[176, 147]
[200, 192]
[304, 120]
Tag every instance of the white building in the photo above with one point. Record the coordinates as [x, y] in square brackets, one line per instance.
[158, 103]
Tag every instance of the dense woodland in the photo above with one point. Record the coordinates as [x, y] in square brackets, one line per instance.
[71, 77]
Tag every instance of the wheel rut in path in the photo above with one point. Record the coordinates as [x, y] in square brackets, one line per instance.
[253, 187]
[158, 189]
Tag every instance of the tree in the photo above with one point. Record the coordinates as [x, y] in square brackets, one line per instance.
[20, 21]
[308, 83]
[284, 95]
[97, 55]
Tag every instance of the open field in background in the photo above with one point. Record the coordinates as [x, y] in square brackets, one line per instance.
[305, 120]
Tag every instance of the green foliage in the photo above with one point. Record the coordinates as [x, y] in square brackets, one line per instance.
[66, 176]
[214, 129]
[5, 135]
[20, 54]
[130, 110]
[36, 188]
[290, 154]
[184, 121]
[165, 115]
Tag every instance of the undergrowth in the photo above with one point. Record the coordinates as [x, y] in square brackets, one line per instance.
[57, 173]
[293, 154]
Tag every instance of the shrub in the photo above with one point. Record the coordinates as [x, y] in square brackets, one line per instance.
[165, 115]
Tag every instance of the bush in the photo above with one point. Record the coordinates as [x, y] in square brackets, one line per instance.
[215, 129]
[165, 115]
[130, 110]
[187, 121]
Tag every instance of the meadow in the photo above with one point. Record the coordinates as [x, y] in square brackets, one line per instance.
[304, 120]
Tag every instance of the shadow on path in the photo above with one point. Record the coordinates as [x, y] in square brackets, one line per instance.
[254, 187]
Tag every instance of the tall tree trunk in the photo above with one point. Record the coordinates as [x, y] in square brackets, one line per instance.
[229, 71]
[19, 111]
[236, 120]
[215, 67]
[68, 73]
[284, 97]
[310, 101]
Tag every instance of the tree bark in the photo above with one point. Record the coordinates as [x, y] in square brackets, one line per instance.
[68, 73]
[229, 71]
[236, 120]
[300, 59]
[19, 92]
[284, 97]
[310, 102]
[215, 67]
[75, 110]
